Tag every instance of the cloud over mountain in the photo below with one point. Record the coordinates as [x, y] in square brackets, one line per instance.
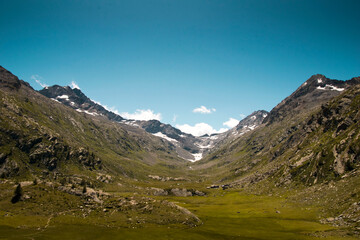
[74, 85]
[142, 114]
[232, 122]
[38, 80]
[199, 129]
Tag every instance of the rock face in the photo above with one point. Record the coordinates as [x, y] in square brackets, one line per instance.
[76, 99]
[8, 168]
[45, 152]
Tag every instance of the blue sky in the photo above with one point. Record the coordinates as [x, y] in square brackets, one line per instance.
[172, 57]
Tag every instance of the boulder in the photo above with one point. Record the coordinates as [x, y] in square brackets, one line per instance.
[181, 192]
[159, 192]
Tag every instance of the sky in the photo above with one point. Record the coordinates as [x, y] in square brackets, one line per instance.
[199, 65]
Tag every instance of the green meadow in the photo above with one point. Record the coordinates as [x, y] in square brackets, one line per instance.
[224, 215]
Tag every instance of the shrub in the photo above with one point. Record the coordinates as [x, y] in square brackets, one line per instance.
[18, 193]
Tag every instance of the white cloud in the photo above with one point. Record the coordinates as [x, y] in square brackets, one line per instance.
[110, 109]
[199, 129]
[204, 110]
[174, 118]
[141, 114]
[232, 122]
[242, 115]
[38, 80]
[74, 85]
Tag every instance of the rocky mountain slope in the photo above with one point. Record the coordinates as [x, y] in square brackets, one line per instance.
[41, 136]
[75, 98]
[80, 165]
[187, 146]
[309, 141]
[316, 90]
[207, 144]
[299, 115]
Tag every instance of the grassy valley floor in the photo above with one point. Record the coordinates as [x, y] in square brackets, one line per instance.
[230, 214]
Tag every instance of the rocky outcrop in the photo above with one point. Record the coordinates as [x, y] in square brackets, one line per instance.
[165, 179]
[9, 168]
[43, 151]
[85, 158]
[179, 192]
[159, 192]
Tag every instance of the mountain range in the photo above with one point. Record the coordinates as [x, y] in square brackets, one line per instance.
[293, 171]
[187, 146]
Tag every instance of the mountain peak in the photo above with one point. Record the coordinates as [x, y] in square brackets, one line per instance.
[252, 121]
[76, 99]
[314, 91]
[9, 80]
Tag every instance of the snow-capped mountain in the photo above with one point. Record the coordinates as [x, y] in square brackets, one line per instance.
[75, 98]
[316, 90]
[187, 146]
[195, 148]
[249, 123]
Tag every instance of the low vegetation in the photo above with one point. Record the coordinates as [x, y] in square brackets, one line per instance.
[67, 175]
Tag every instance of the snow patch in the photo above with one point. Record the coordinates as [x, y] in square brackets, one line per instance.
[197, 156]
[66, 97]
[214, 137]
[130, 123]
[319, 80]
[330, 87]
[87, 112]
[252, 127]
[55, 100]
[204, 147]
[161, 135]
[253, 117]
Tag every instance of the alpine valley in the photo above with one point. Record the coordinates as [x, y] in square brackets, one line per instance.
[72, 169]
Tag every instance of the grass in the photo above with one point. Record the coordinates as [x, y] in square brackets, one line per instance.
[225, 215]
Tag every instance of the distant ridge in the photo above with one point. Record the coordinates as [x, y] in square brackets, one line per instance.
[75, 98]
